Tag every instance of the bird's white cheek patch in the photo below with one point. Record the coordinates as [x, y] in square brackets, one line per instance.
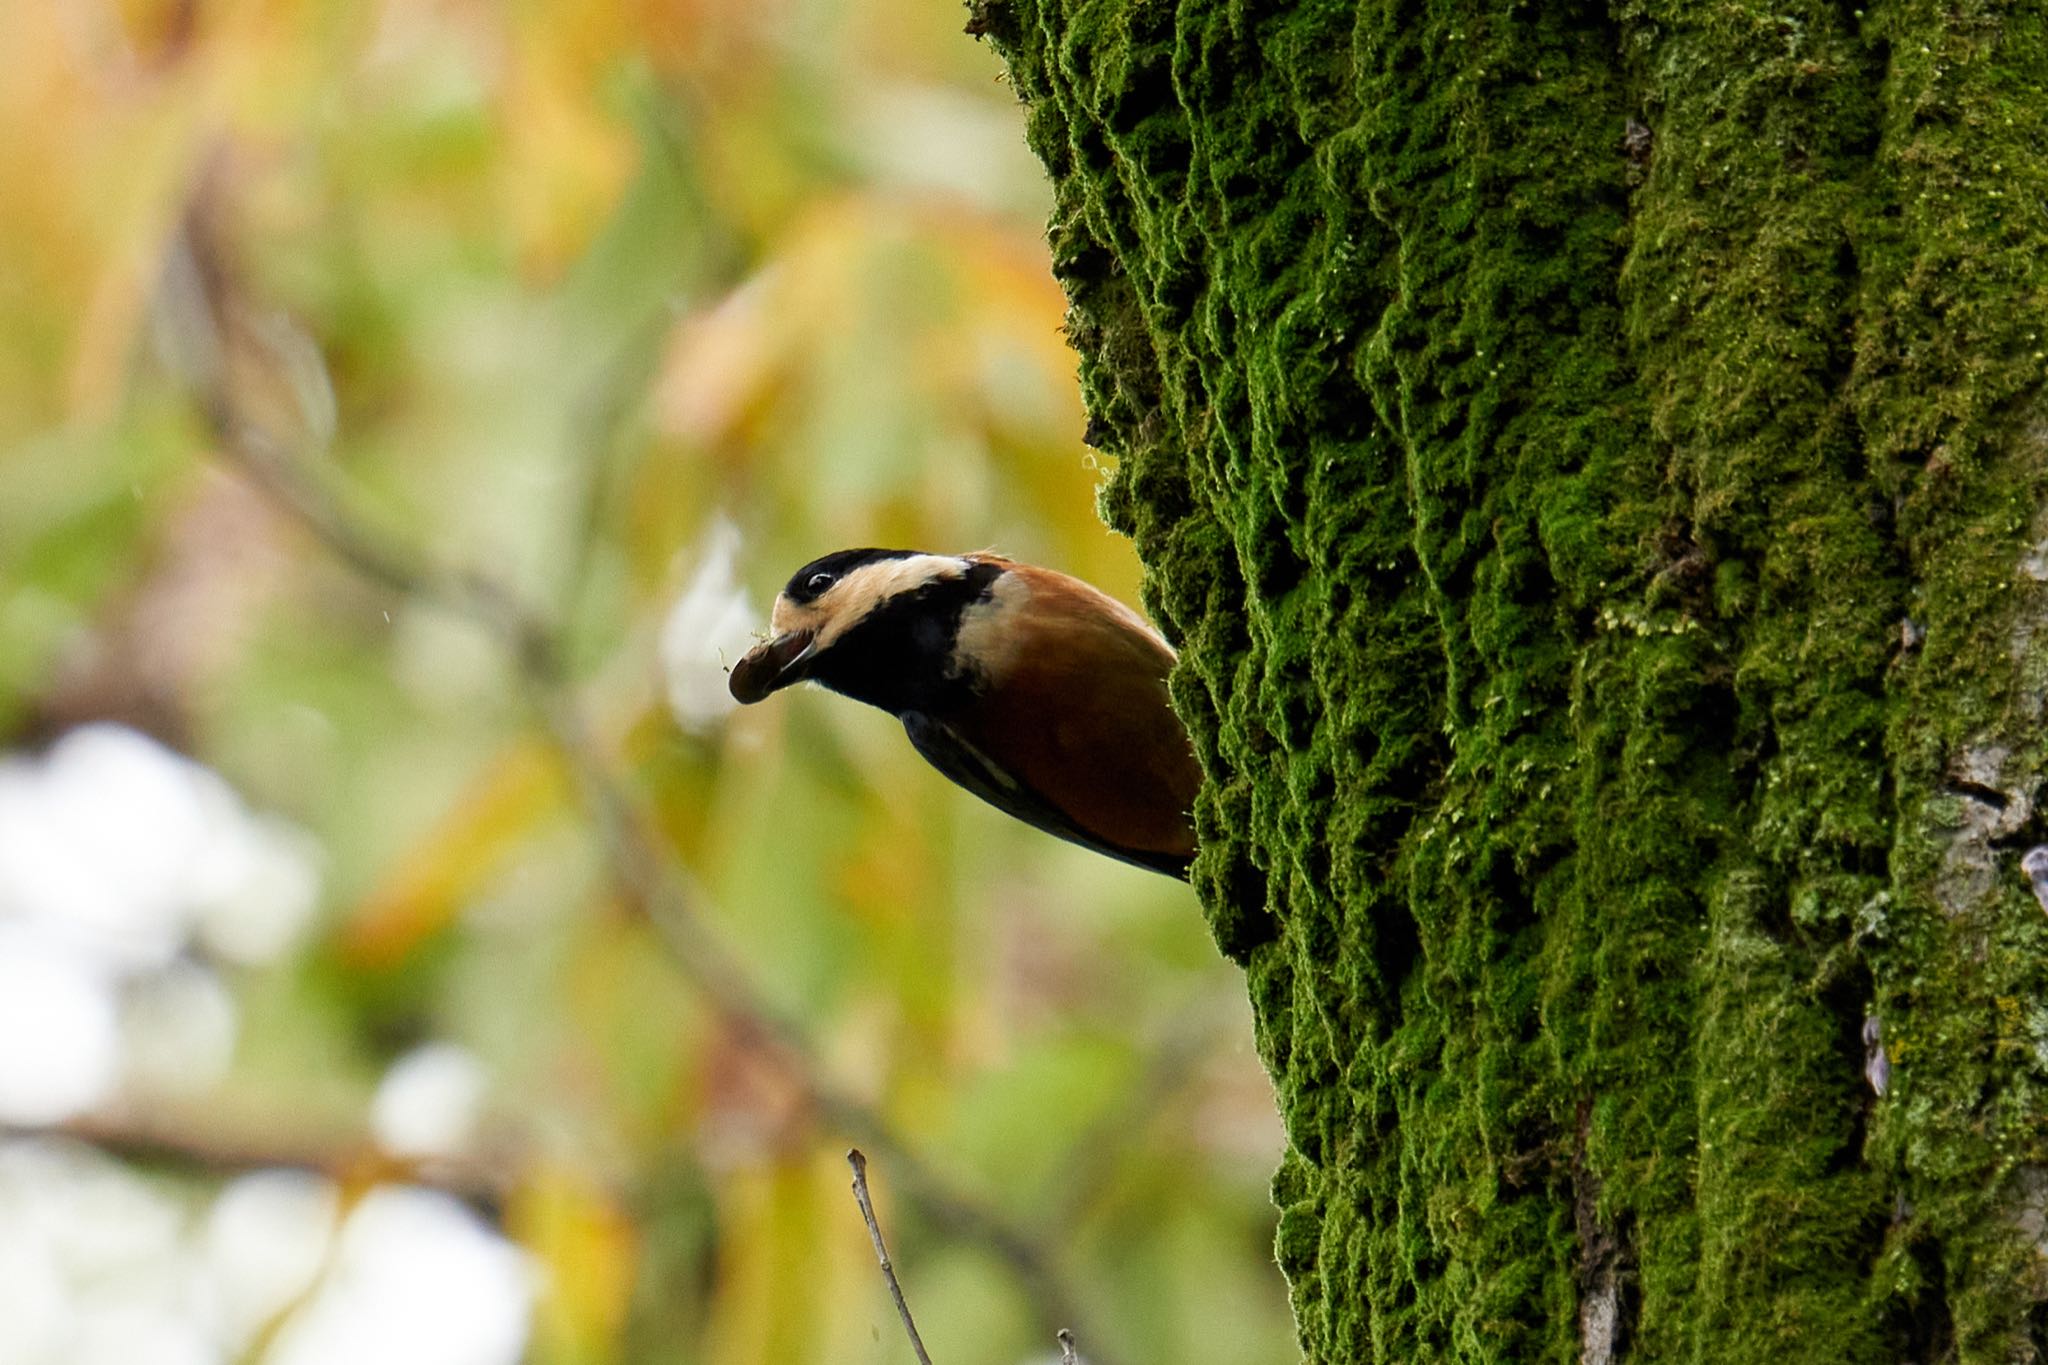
[849, 600]
[787, 616]
[988, 639]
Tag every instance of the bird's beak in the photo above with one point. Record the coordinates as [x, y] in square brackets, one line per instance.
[771, 665]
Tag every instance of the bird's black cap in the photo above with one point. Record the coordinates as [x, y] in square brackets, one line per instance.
[833, 567]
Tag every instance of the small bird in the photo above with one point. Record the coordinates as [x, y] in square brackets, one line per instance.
[1043, 696]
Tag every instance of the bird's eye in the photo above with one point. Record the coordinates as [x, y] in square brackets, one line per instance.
[818, 582]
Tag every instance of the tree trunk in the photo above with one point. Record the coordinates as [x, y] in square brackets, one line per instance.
[1595, 464]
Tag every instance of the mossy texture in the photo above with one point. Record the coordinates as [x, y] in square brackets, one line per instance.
[1593, 462]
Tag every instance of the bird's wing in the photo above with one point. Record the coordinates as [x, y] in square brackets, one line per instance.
[945, 749]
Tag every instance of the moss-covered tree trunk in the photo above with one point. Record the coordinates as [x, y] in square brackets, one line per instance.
[1595, 462]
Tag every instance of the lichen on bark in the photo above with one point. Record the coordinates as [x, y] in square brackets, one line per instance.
[1589, 457]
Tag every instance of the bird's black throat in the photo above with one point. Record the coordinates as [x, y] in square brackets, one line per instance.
[900, 655]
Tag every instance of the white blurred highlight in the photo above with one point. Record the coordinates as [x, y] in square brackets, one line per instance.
[709, 627]
[263, 1246]
[60, 1032]
[127, 847]
[178, 1028]
[417, 1279]
[263, 884]
[140, 1334]
[99, 842]
[92, 1270]
[117, 856]
[99, 1266]
[429, 1102]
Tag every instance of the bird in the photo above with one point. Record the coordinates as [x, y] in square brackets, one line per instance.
[1040, 694]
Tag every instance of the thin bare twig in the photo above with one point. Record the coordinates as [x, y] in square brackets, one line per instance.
[200, 310]
[867, 1211]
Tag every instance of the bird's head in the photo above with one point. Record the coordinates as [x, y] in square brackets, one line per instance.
[861, 621]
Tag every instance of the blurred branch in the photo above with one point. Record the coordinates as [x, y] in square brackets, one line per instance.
[217, 1144]
[867, 1212]
[231, 356]
[596, 428]
[705, 262]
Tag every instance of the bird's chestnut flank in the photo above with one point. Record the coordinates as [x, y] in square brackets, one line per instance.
[1038, 693]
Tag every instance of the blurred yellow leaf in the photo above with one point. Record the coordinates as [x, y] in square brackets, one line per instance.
[590, 1249]
[789, 1256]
[429, 885]
[722, 362]
[567, 157]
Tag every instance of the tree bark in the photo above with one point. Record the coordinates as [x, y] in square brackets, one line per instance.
[1594, 463]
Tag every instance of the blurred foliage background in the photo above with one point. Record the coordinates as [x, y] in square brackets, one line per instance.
[327, 1031]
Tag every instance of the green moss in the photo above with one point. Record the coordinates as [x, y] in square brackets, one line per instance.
[1535, 512]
